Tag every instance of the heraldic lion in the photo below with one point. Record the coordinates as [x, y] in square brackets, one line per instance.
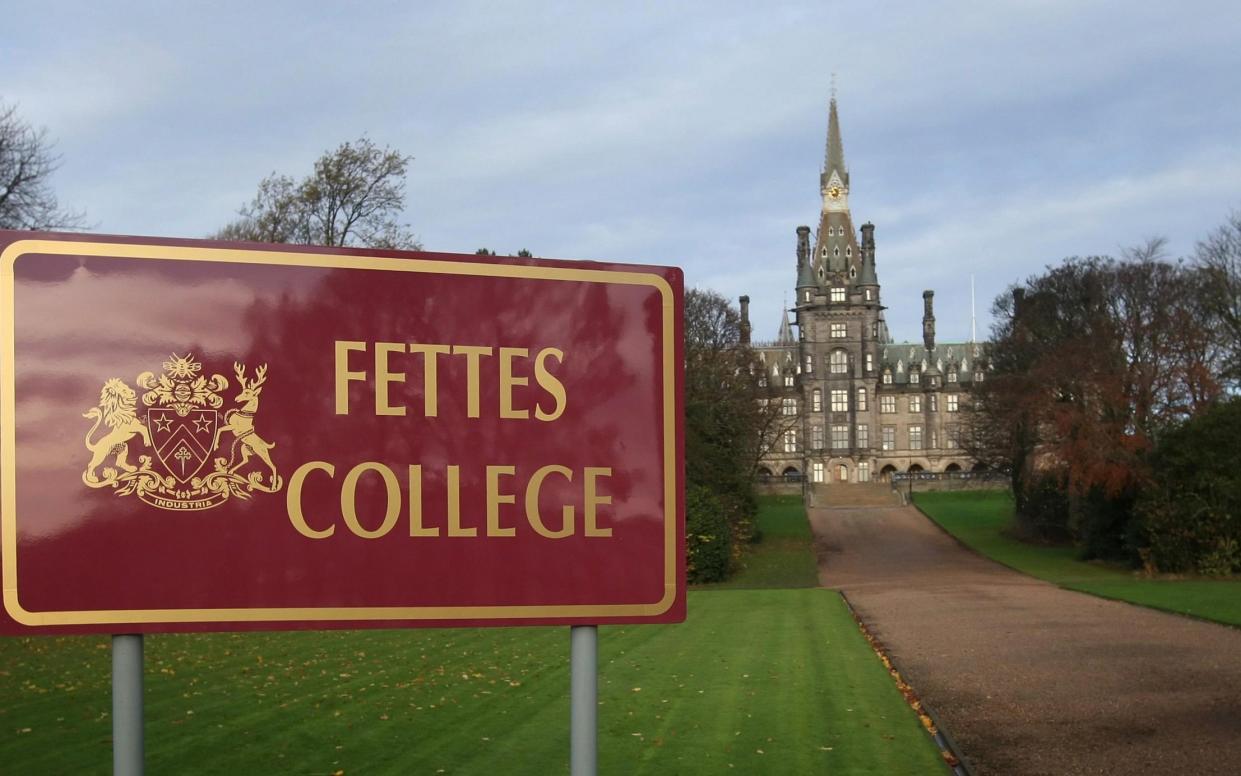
[117, 409]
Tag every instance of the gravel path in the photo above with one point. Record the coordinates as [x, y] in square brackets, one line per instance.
[1028, 678]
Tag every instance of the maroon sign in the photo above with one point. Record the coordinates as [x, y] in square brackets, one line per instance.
[217, 436]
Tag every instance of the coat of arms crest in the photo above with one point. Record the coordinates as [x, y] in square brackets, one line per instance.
[181, 433]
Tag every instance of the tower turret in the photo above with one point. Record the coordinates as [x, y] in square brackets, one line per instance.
[806, 282]
[928, 319]
[868, 276]
[744, 334]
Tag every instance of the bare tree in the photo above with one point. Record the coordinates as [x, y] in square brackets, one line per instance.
[354, 197]
[26, 166]
[1219, 257]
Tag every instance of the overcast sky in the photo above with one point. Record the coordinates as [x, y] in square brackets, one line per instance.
[984, 139]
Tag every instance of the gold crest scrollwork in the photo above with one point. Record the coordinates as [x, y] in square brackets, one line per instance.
[189, 455]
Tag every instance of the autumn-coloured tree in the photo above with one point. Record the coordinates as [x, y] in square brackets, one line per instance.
[1093, 360]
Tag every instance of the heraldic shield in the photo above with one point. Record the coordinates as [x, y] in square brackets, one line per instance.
[183, 444]
[190, 455]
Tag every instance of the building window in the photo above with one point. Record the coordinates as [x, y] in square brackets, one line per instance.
[889, 437]
[861, 399]
[805, 296]
[816, 437]
[887, 404]
[874, 330]
[978, 377]
[915, 375]
[840, 437]
[934, 402]
[849, 252]
[809, 360]
[816, 400]
[915, 404]
[762, 382]
[840, 400]
[839, 362]
[816, 471]
[788, 381]
[836, 251]
[934, 438]
[790, 406]
[915, 437]
[952, 402]
[863, 472]
[863, 435]
[869, 292]
[953, 432]
[952, 374]
[790, 440]
[838, 331]
[887, 376]
[838, 293]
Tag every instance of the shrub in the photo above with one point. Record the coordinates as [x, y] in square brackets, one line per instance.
[708, 540]
[1189, 519]
[1045, 509]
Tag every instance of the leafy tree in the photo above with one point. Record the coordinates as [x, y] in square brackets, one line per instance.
[26, 166]
[354, 197]
[726, 412]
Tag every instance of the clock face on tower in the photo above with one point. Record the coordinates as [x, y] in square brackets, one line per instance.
[834, 192]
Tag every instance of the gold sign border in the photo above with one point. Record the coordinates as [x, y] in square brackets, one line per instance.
[8, 437]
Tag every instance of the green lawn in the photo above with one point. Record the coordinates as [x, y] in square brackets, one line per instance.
[979, 518]
[755, 681]
[784, 555]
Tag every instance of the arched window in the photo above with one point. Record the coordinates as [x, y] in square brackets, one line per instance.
[839, 362]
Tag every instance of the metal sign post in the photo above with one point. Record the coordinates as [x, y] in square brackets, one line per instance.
[583, 700]
[127, 739]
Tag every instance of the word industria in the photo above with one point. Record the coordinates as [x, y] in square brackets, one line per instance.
[511, 368]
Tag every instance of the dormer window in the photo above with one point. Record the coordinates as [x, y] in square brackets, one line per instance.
[915, 375]
[887, 376]
[952, 375]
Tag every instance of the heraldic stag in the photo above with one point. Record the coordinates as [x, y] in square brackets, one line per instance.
[240, 422]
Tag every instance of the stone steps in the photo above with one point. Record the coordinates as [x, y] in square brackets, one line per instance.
[838, 495]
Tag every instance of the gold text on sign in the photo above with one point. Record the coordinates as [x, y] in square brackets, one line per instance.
[497, 522]
[387, 365]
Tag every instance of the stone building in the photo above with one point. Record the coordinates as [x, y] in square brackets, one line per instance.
[855, 405]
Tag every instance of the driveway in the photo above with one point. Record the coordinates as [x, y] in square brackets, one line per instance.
[1028, 678]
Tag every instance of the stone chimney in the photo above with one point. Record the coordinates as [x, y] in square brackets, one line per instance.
[928, 319]
[745, 320]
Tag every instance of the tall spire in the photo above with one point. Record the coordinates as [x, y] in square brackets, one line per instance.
[834, 153]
